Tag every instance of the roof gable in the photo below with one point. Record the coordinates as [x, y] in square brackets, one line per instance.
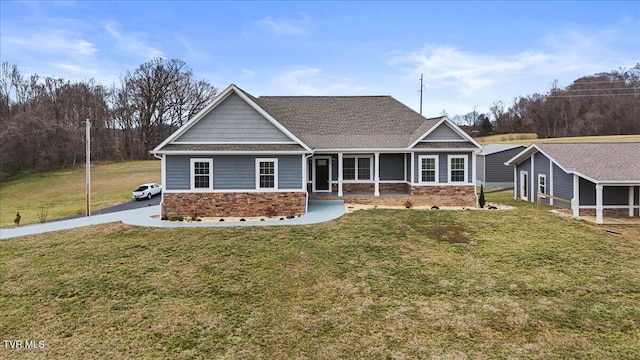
[232, 118]
[444, 131]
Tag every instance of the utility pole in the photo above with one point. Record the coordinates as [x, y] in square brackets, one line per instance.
[87, 164]
[421, 91]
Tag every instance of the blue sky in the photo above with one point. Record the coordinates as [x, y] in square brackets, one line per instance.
[472, 54]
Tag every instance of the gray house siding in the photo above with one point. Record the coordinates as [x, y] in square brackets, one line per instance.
[540, 167]
[233, 172]
[392, 167]
[443, 166]
[562, 186]
[491, 168]
[523, 166]
[233, 120]
[480, 175]
[611, 195]
[443, 133]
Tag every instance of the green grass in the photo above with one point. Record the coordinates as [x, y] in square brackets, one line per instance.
[62, 193]
[375, 284]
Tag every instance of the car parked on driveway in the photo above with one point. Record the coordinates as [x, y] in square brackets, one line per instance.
[146, 191]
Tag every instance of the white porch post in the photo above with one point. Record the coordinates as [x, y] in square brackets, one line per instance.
[376, 177]
[631, 201]
[550, 182]
[533, 191]
[412, 168]
[575, 201]
[515, 182]
[340, 174]
[599, 208]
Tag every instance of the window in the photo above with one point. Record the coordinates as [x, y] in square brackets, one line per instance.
[428, 168]
[356, 168]
[458, 168]
[201, 174]
[542, 184]
[267, 174]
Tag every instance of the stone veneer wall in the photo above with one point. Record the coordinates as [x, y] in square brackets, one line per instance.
[444, 195]
[234, 204]
[607, 212]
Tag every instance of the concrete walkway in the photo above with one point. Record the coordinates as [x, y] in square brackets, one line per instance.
[319, 211]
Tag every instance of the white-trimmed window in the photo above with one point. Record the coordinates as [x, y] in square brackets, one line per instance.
[542, 183]
[201, 174]
[428, 168]
[458, 168]
[357, 168]
[267, 174]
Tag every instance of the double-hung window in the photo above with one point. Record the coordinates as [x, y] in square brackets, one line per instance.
[267, 174]
[428, 168]
[542, 183]
[458, 168]
[201, 174]
[357, 168]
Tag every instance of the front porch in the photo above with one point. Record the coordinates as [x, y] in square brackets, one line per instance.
[400, 198]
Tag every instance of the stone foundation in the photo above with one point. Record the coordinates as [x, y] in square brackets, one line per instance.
[607, 212]
[233, 204]
[398, 194]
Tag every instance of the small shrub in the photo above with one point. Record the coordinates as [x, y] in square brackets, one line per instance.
[481, 200]
[176, 218]
[270, 211]
[42, 215]
[194, 216]
[17, 220]
[408, 204]
[435, 208]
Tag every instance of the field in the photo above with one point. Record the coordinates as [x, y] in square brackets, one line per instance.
[528, 139]
[375, 284]
[62, 193]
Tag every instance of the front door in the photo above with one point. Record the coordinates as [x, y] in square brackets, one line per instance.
[524, 185]
[322, 175]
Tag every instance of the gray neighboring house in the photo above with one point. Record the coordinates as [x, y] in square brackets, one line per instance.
[491, 169]
[601, 179]
[248, 156]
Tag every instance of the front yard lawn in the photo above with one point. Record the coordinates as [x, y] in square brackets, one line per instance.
[375, 284]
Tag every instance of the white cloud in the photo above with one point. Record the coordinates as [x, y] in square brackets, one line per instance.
[132, 43]
[50, 40]
[297, 81]
[286, 26]
[246, 73]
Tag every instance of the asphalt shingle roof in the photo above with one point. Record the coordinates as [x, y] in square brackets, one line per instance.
[325, 122]
[233, 147]
[599, 161]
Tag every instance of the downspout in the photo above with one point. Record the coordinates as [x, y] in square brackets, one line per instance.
[306, 181]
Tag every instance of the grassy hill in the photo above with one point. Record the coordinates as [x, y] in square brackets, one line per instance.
[375, 284]
[527, 139]
[62, 193]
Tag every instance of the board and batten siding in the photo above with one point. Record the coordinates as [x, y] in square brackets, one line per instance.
[233, 172]
[233, 120]
[491, 168]
[443, 166]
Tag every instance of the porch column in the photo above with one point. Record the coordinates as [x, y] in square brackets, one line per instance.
[550, 182]
[515, 182]
[533, 190]
[631, 201]
[340, 174]
[376, 177]
[599, 208]
[575, 201]
[412, 168]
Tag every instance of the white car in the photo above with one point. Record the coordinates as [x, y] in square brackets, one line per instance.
[146, 191]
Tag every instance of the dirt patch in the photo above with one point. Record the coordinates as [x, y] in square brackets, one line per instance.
[453, 234]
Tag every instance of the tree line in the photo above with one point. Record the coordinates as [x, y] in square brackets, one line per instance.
[601, 104]
[43, 119]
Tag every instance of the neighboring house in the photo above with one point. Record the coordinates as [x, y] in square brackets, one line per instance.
[491, 169]
[247, 156]
[601, 179]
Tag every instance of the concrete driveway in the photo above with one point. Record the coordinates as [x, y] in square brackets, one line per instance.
[318, 211]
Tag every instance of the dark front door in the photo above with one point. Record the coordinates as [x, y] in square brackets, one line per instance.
[322, 174]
